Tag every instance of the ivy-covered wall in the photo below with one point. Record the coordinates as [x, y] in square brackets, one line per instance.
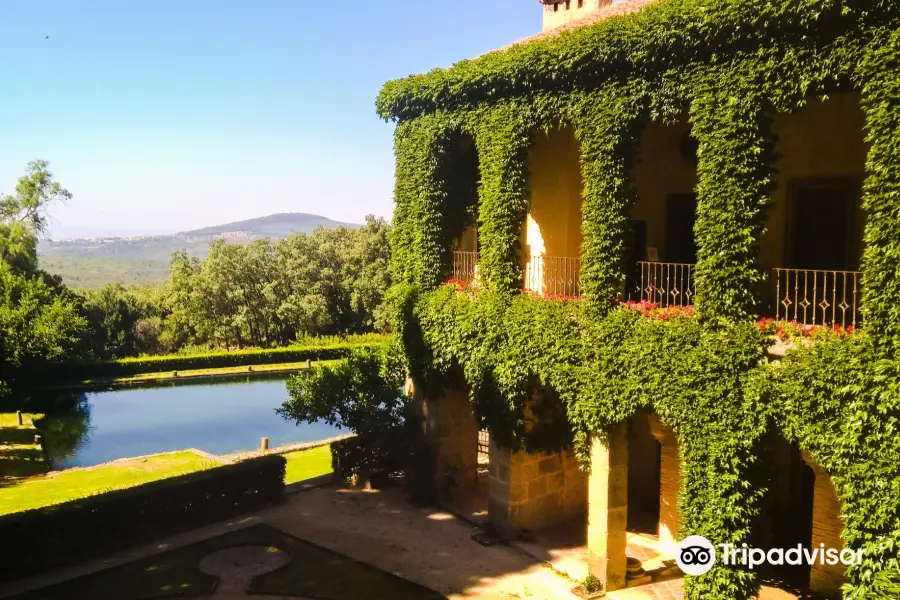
[727, 66]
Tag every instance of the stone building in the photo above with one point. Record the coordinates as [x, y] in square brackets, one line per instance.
[810, 251]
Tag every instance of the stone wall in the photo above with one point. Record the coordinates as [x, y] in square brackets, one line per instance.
[534, 491]
[669, 484]
[825, 580]
[453, 432]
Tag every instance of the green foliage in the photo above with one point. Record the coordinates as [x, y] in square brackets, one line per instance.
[592, 583]
[105, 523]
[727, 67]
[881, 102]
[266, 294]
[38, 327]
[839, 401]
[362, 394]
[80, 370]
[24, 216]
[662, 36]
[123, 322]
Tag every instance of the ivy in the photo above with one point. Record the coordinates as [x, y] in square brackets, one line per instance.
[546, 374]
[735, 171]
[608, 126]
[881, 258]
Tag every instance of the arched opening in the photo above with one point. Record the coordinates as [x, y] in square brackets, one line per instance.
[552, 229]
[644, 464]
[661, 248]
[814, 228]
[461, 213]
[801, 509]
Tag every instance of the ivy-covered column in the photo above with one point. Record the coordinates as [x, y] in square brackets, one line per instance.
[502, 139]
[736, 163]
[420, 253]
[608, 124]
[881, 201]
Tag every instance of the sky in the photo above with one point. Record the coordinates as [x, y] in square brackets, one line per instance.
[167, 115]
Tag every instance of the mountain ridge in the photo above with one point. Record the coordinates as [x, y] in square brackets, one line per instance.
[95, 261]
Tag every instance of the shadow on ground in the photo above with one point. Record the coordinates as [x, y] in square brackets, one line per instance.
[311, 571]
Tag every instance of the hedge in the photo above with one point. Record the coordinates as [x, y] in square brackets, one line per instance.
[124, 367]
[39, 539]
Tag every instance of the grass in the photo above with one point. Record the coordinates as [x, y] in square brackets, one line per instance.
[19, 456]
[37, 490]
[308, 464]
[313, 572]
[62, 486]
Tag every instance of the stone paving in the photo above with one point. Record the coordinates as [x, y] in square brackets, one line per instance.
[427, 545]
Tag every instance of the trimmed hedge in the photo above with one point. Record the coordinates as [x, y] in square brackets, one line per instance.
[36, 540]
[237, 358]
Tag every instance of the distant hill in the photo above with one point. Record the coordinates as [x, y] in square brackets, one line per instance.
[274, 226]
[96, 261]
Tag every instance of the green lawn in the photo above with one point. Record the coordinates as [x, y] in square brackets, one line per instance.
[313, 572]
[307, 464]
[19, 457]
[45, 490]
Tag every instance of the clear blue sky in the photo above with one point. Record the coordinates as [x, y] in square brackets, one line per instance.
[174, 114]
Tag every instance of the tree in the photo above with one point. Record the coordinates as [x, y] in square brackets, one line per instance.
[25, 217]
[38, 326]
[361, 394]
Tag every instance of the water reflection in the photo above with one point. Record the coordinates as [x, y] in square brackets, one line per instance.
[89, 428]
[67, 427]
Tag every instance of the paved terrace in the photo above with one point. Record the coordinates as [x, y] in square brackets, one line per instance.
[426, 545]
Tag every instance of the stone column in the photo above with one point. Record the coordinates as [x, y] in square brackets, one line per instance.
[669, 484]
[533, 491]
[608, 508]
[447, 446]
[825, 580]
[452, 431]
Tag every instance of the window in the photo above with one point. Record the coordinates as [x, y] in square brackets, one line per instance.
[823, 224]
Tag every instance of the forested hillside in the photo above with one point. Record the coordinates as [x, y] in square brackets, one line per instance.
[258, 293]
[93, 262]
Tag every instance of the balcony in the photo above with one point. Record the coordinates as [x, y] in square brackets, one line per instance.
[813, 297]
[551, 276]
[806, 296]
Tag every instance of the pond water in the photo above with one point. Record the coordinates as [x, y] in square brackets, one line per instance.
[221, 417]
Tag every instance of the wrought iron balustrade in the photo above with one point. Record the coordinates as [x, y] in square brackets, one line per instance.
[553, 275]
[815, 297]
[465, 266]
[484, 446]
[666, 284]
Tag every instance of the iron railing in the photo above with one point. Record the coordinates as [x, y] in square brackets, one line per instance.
[666, 284]
[465, 266]
[553, 275]
[812, 297]
[484, 446]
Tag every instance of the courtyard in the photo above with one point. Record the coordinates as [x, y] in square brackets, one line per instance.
[425, 552]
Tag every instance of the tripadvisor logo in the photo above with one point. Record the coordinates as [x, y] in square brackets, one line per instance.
[696, 555]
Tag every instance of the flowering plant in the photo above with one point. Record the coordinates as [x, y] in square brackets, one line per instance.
[662, 313]
[794, 331]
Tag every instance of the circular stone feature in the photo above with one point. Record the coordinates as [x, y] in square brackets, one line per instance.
[236, 567]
